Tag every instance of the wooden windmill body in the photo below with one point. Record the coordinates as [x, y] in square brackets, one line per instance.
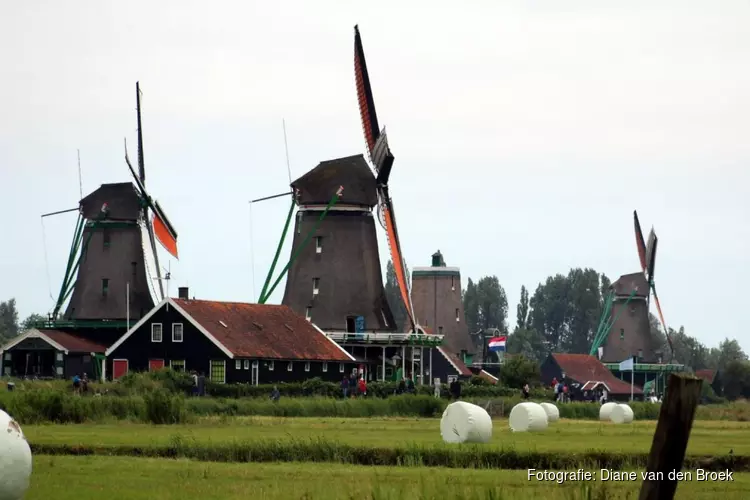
[336, 282]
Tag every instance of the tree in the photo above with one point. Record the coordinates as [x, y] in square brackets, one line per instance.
[471, 306]
[8, 320]
[736, 378]
[517, 371]
[527, 342]
[393, 295]
[31, 320]
[522, 310]
[493, 304]
[728, 352]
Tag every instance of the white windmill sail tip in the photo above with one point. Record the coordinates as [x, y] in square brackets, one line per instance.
[150, 266]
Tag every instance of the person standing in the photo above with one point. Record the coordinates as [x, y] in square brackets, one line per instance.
[345, 387]
[437, 388]
[525, 391]
[362, 387]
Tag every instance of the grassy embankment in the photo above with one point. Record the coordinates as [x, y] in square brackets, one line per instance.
[88, 478]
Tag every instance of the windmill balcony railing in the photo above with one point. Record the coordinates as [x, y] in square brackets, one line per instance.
[649, 367]
[420, 339]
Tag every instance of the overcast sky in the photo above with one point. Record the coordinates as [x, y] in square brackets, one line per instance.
[525, 133]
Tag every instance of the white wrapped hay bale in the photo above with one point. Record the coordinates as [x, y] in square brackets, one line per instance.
[621, 414]
[528, 417]
[553, 413]
[465, 423]
[606, 410]
[15, 459]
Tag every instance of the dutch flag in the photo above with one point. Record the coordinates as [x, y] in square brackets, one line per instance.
[497, 344]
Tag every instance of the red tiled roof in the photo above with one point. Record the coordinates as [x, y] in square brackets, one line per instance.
[263, 331]
[584, 368]
[488, 377]
[73, 343]
[462, 369]
[707, 375]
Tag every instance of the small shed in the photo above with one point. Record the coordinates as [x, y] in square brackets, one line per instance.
[45, 353]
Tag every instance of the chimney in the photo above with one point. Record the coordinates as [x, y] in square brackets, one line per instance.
[183, 293]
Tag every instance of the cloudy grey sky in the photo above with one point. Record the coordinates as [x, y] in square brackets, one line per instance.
[525, 134]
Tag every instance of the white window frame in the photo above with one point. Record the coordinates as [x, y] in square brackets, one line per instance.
[458, 315]
[58, 370]
[161, 333]
[308, 313]
[8, 356]
[238, 364]
[246, 364]
[210, 373]
[325, 367]
[58, 356]
[341, 368]
[290, 366]
[316, 286]
[307, 366]
[270, 366]
[184, 364]
[318, 244]
[127, 366]
[182, 332]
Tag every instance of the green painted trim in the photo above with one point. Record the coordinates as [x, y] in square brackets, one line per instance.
[436, 273]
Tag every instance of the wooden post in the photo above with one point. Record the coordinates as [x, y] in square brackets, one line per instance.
[671, 437]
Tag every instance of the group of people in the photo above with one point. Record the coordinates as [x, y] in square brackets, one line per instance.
[199, 383]
[80, 383]
[352, 387]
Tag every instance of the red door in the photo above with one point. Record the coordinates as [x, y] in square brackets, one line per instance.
[155, 364]
[119, 368]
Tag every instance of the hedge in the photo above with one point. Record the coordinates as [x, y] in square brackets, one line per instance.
[164, 407]
[461, 456]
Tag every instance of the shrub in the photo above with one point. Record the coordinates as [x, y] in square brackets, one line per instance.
[163, 407]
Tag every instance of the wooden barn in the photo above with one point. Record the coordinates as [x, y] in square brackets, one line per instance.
[229, 342]
[45, 353]
[585, 373]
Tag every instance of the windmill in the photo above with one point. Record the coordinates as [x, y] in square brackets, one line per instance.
[624, 329]
[113, 271]
[337, 283]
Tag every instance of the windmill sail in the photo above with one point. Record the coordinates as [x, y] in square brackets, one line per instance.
[382, 160]
[640, 244]
[651, 255]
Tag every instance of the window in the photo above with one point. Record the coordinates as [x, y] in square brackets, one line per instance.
[255, 364]
[59, 370]
[622, 334]
[325, 367]
[177, 365]
[176, 332]
[218, 371]
[458, 318]
[453, 283]
[351, 324]
[105, 239]
[316, 286]
[289, 366]
[105, 286]
[133, 268]
[307, 366]
[270, 366]
[341, 367]
[238, 364]
[247, 364]
[8, 356]
[318, 244]
[308, 313]
[87, 359]
[156, 332]
[58, 356]
[440, 330]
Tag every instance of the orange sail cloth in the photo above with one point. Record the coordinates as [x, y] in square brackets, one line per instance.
[164, 235]
[398, 263]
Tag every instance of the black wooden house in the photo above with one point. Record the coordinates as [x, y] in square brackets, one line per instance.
[228, 342]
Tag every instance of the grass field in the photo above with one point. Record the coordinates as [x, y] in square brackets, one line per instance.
[141, 478]
[707, 438]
